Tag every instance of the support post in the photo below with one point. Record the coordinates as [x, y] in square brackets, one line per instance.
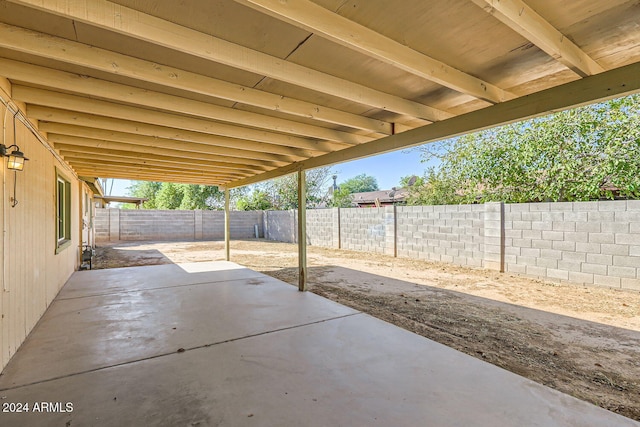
[227, 221]
[302, 231]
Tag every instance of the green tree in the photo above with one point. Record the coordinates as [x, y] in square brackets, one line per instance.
[201, 197]
[146, 189]
[342, 197]
[574, 155]
[282, 193]
[258, 200]
[168, 195]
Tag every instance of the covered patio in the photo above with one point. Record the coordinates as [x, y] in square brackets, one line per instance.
[235, 92]
[214, 343]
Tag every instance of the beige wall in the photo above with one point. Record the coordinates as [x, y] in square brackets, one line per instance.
[31, 273]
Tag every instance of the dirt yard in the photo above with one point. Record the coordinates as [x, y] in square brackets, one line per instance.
[584, 341]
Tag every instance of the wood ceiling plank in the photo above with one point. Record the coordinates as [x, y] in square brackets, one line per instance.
[132, 23]
[314, 18]
[51, 47]
[599, 87]
[250, 139]
[89, 159]
[128, 131]
[521, 18]
[88, 86]
[121, 166]
[59, 134]
[143, 158]
[140, 176]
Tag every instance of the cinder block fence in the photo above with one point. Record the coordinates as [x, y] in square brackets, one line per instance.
[140, 225]
[580, 242]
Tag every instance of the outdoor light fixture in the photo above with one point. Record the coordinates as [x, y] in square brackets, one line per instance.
[16, 159]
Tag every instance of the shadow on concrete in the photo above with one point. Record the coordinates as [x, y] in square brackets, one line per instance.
[112, 256]
[589, 360]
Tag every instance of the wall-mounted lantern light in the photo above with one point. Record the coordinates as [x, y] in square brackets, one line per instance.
[15, 162]
[15, 159]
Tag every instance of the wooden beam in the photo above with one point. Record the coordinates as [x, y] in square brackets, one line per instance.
[133, 172]
[521, 18]
[116, 92]
[46, 46]
[149, 177]
[157, 136]
[48, 98]
[133, 150]
[320, 21]
[74, 154]
[227, 226]
[119, 164]
[600, 87]
[141, 26]
[302, 231]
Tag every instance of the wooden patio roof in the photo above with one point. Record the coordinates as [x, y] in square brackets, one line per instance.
[229, 93]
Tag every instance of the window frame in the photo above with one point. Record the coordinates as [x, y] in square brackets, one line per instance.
[63, 212]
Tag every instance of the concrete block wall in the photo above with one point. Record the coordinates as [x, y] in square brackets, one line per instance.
[117, 224]
[155, 225]
[452, 233]
[320, 228]
[101, 224]
[280, 226]
[241, 224]
[363, 229]
[582, 242]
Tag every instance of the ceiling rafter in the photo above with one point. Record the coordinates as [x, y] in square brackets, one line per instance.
[158, 177]
[123, 166]
[129, 131]
[99, 151]
[146, 27]
[51, 47]
[327, 24]
[521, 18]
[262, 140]
[86, 137]
[79, 157]
[607, 85]
[88, 86]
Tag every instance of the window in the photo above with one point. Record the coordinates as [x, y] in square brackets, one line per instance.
[63, 229]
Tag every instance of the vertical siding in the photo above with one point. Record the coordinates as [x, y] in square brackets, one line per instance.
[31, 273]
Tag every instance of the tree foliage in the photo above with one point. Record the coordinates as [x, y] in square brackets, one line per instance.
[146, 189]
[167, 195]
[258, 200]
[583, 154]
[342, 197]
[282, 193]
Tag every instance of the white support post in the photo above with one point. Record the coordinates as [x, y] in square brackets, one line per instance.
[302, 231]
[227, 230]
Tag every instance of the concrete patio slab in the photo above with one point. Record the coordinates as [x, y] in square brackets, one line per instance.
[87, 333]
[103, 282]
[260, 353]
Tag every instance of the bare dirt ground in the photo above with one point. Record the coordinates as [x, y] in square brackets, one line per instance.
[584, 341]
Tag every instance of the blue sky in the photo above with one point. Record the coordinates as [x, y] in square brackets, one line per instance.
[386, 168]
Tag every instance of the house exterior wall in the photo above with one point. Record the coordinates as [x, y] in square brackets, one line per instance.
[31, 272]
